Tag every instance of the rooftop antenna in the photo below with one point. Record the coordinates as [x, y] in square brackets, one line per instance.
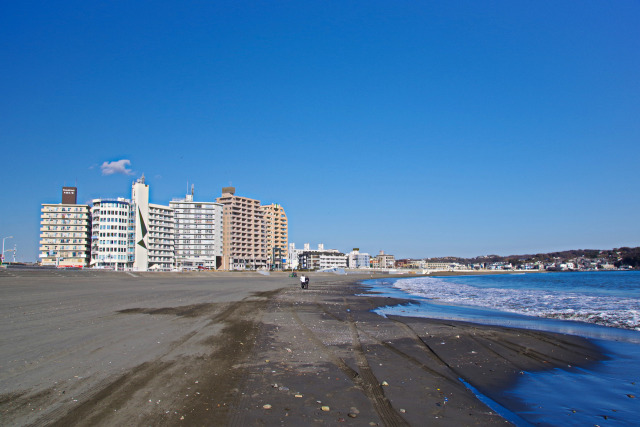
[192, 189]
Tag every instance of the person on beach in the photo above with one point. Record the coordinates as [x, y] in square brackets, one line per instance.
[302, 281]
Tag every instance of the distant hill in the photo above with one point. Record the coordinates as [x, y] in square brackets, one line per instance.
[618, 256]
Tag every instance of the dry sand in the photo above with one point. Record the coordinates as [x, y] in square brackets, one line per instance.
[90, 348]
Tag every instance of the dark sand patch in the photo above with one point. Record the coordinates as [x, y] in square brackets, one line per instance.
[327, 346]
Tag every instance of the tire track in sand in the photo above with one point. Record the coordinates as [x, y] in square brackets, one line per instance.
[447, 374]
[365, 379]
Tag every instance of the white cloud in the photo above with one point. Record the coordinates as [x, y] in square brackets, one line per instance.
[119, 166]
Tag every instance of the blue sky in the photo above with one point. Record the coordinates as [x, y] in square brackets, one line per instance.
[419, 128]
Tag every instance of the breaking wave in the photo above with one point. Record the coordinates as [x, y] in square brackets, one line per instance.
[606, 310]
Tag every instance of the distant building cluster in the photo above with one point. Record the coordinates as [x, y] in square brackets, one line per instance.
[577, 264]
[239, 233]
[232, 233]
[325, 259]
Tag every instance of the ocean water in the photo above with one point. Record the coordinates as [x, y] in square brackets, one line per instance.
[602, 306]
[602, 298]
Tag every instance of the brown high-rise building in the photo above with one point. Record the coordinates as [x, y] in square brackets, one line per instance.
[244, 232]
[277, 235]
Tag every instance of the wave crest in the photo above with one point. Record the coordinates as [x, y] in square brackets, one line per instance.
[603, 310]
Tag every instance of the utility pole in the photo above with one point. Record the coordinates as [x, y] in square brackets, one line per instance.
[14, 250]
[2, 255]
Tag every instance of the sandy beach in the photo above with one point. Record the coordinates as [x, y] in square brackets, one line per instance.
[242, 349]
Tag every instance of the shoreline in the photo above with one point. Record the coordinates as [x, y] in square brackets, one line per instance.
[216, 350]
[421, 360]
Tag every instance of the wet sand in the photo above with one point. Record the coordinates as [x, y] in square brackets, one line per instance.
[89, 348]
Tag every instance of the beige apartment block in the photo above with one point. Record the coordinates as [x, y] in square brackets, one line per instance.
[383, 260]
[277, 235]
[65, 230]
[244, 245]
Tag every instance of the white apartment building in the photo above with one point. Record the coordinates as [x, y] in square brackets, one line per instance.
[436, 266]
[332, 260]
[277, 235]
[112, 233]
[132, 234]
[161, 238]
[198, 233]
[292, 256]
[321, 258]
[357, 259]
[244, 245]
[64, 232]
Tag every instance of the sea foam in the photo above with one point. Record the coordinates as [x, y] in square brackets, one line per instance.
[601, 309]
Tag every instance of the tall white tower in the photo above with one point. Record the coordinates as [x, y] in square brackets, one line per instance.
[140, 200]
